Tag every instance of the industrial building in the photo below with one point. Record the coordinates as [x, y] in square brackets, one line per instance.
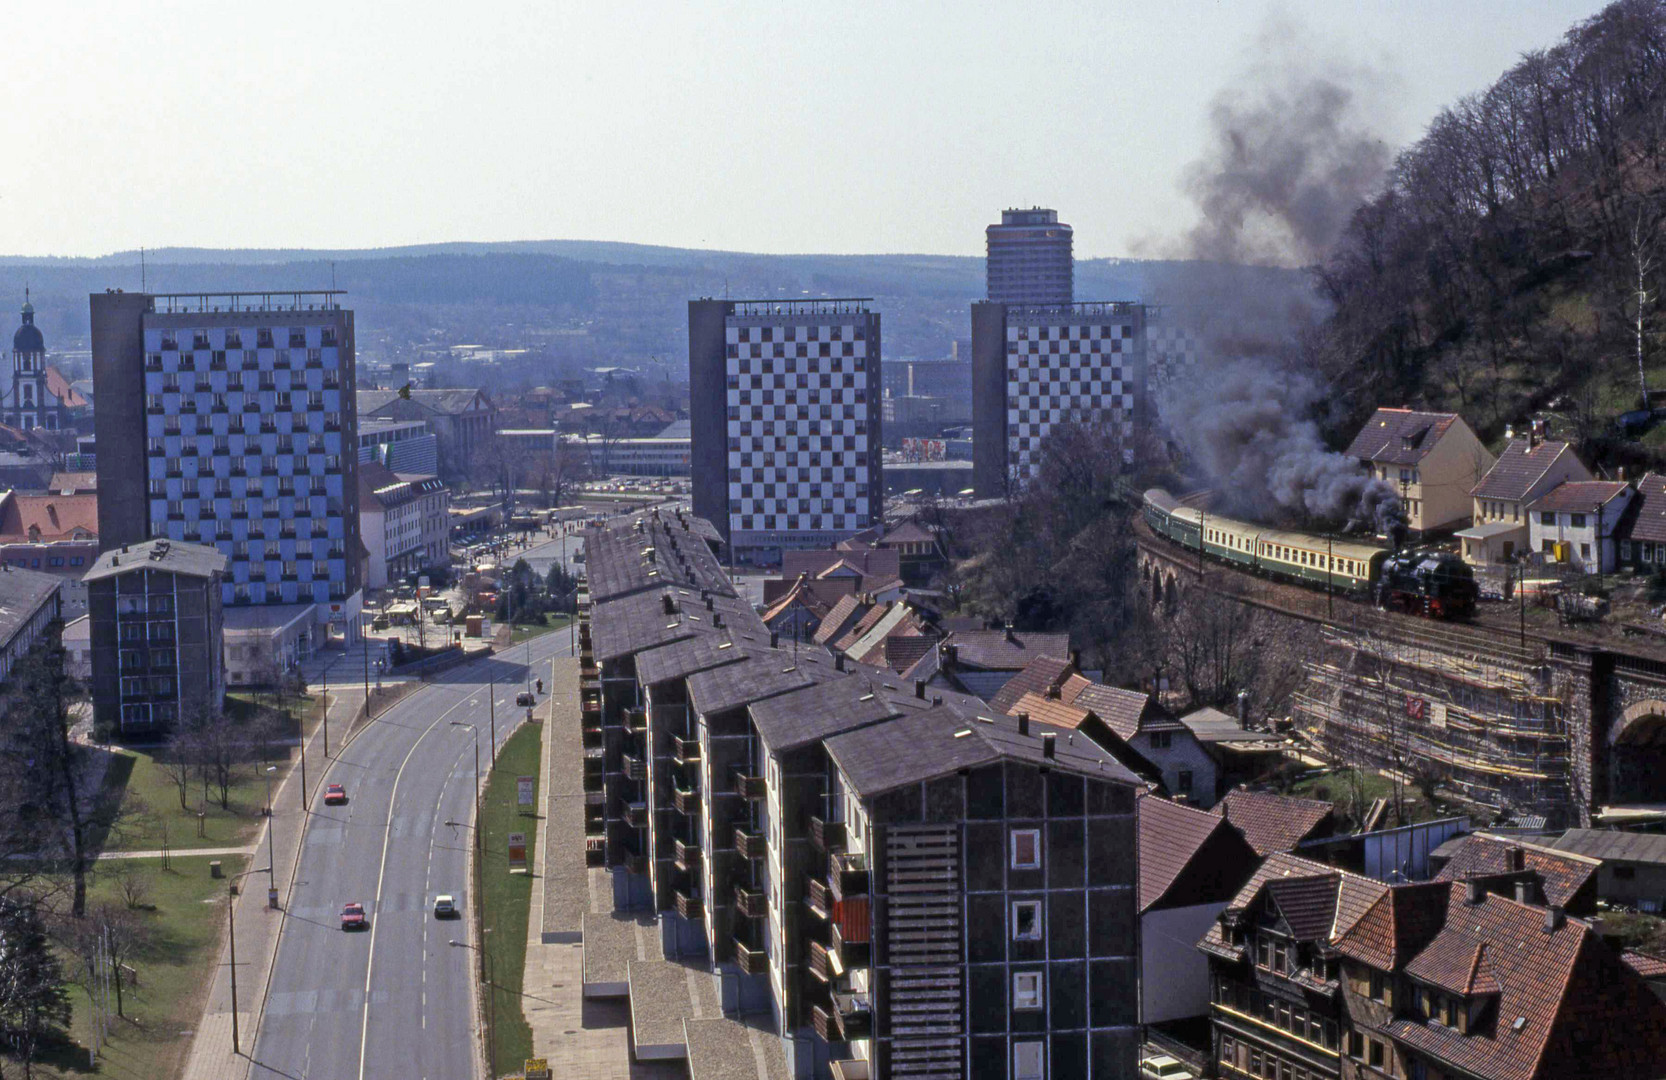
[784, 402]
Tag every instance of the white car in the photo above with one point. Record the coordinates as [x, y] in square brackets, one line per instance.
[1163, 1067]
[445, 906]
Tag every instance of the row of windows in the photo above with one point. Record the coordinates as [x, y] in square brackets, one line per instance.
[1276, 1012]
[204, 383]
[839, 332]
[778, 351]
[34, 562]
[232, 337]
[1258, 1061]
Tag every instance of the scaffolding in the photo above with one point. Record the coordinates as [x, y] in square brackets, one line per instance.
[1490, 729]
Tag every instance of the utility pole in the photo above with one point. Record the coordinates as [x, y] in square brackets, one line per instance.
[491, 709]
[1330, 578]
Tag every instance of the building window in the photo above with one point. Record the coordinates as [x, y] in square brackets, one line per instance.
[1026, 990]
[1547, 518]
[1027, 1058]
[1625, 873]
[1162, 740]
[1376, 1056]
[1356, 1045]
[1026, 920]
[1184, 784]
[1026, 849]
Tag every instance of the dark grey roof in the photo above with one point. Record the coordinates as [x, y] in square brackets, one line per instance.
[683, 658]
[617, 560]
[999, 650]
[264, 616]
[174, 556]
[440, 401]
[22, 592]
[1522, 464]
[1645, 518]
[1610, 844]
[1579, 496]
[1400, 436]
[954, 736]
[815, 712]
[763, 674]
[638, 621]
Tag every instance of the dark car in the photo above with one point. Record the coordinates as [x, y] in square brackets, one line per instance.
[524, 698]
[353, 916]
[334, 795]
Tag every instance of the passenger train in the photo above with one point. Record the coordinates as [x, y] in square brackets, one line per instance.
[1437, 584]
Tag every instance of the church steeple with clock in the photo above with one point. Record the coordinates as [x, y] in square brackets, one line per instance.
[36, 396]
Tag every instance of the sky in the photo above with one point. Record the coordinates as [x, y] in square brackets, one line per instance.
[778, 127]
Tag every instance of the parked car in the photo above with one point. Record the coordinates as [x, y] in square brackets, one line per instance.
[353, 916]
[445, 906]
[1163, 1067]
[334, 795]
[524, 698]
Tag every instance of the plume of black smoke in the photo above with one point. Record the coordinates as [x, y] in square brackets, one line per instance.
[1290, 157]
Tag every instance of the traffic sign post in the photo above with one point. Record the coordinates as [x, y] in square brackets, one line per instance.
[517, 853]
[526, 788]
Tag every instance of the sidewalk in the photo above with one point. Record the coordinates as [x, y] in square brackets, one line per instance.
[579, 1038]
[258, 928]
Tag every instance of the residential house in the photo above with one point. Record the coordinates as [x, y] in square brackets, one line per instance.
[405, 522]
[1319, 973]
[1192, 863]
[1642, 531]
[1630, 867]
[1433, 460]
[1577, 523]
[1273, 823]
[56, 534]
[917, 548]
[1188, 771]
[29, 604]
[1513, 866]
[980, 662]
[1241, 756]
[1526, 470]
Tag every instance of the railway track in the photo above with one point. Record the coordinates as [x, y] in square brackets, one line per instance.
[1342, 611]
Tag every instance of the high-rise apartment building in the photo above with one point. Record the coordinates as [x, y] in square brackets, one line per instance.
[1036, 367]
[228, 419]
[784, 402]
[1029, 258]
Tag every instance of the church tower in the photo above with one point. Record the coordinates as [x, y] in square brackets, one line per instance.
[29, 404]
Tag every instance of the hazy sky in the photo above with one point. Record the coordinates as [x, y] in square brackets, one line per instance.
[777, 127]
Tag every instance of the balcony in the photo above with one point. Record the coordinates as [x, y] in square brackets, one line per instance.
[688, 907]
[750, 903]
[851, 1017]
[685, 751]
[817, 897]
[686, 801]
[686, 855]
[635, 767]
[749, 844]
[751, 961]
[827, 836]
[851, 954]
[748, 786]
[852, 1069]
[822, 964]
[595, 851]
[849, 876]
[636, 721]
[636, 815]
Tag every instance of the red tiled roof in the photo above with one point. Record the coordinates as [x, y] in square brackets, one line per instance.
[1122, 710]
[1567, 879]
[1645, 518]
[1579, 495]
[838, 620]
[1354, 895]
[1182, 843]
[60, 388]
[58, 517]
[1393, 929]
[1567, 1004]
[1400, 436]
[1308, 904]
[902, 651]
[1645, 964]
[1039, 675]
[1050, 711]
[1273, 822]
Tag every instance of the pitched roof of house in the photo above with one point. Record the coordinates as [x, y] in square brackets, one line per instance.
[878, 564]
[1004, 650]
[1039, 675]
[903, 651]
[909, 532]
[839, 619]
[78, 482]
[1396, 926]
[1122, 710]
[57, 517]
[797, 596]
[1561, 874]
[1052, 711]
[1567, 1004]
[1612, 844]
[1579, 495]
[1273, 823]
[1354, 896]
[1170, 836]
[1308, 904]
[1522, 464]
[1645, 518]
[174, 556]
[1400, 436]
[59, 387]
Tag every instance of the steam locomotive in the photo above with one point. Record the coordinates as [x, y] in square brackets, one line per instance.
[1431, 583]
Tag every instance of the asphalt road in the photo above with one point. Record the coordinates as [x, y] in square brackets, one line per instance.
[395, 1000]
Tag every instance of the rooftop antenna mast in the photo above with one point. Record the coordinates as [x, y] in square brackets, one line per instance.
[143, 282]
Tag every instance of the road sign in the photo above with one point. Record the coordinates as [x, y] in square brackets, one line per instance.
[536, 1069]
[517, 851]
[524, 789]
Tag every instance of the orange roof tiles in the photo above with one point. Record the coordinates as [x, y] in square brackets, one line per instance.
[1274, 822]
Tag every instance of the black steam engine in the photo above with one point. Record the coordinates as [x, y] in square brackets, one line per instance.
[1435, 583]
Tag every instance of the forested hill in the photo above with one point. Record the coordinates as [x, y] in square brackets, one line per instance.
[1498, 272]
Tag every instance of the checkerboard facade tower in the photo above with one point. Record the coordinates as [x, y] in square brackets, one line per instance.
[785, 410]
[1035, 368]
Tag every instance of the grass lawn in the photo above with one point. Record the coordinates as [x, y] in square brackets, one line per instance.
[147, 788]
[508, 897]
[175, 970]
[523, 631]
[1337, 787]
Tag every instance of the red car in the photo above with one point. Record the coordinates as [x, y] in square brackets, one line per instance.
[334, 795]
[353, 917]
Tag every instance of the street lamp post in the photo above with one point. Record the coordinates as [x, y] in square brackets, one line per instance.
[231, 936]
[491, 713]
[489, 977]
[271, 843]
